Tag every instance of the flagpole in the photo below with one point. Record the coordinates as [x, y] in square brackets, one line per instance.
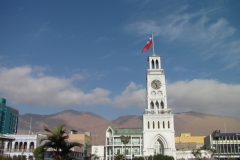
[153, 44]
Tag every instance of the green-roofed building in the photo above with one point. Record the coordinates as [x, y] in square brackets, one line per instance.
[116, 142]
[8, 118]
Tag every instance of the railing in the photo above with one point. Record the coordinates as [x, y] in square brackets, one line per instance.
[123, 152]
[120, 143]
[18, 150]
[157, 111]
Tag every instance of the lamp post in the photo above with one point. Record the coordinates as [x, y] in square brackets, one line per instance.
[216, 136]
[125, 140]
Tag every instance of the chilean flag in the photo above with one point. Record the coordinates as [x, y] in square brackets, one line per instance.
[148, 44]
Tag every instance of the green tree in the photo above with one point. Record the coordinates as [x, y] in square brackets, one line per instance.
[197, 153]
[38, 153]
[119, 157]
[57, 140]
[155, 157]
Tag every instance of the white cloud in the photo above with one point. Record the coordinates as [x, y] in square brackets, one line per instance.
[133, 95]
[26, 85]
[198, 32]
[206, 96]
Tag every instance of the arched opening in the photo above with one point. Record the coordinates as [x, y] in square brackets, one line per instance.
[158, 125]
[157, 105]
[168, 124]
[158, 146]
[153, 64]
[148, 124]
[163, 124]
[162, 105]
[9, 147]
[31, 146]
[16, 146]
[25, 146]
[152, 105]
[20, 146]
[153, 125]
[157, 65]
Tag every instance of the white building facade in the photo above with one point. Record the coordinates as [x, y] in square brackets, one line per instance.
[97, 153]
[158, 123]
[22, 145]
[115, 146]
[227, 145]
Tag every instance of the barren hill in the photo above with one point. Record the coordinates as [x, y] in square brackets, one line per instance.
[190, 122]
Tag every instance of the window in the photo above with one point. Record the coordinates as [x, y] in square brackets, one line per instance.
[158, 125]
[158, 146]
[162, 104]
[157, 65]
[153, 64]
[152, 105]
[148, 125]
[153, 125]
[163, 124]
[168, 124]
[157, 105]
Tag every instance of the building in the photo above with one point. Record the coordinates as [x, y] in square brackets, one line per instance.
[158, 123]
[227, 145]
[4, 139]
[82, 138]
[97, 153]
[157, 134]
[115, 138]
[188, 142]
[22, 144]
[79, 153]
[8, 118]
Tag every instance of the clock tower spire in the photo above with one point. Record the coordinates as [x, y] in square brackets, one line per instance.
[158, 123]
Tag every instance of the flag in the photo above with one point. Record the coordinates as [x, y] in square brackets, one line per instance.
[148, 44]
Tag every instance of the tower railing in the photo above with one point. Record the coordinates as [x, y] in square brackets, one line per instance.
[157, 111]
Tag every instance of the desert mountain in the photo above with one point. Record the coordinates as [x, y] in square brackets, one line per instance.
[190, 122]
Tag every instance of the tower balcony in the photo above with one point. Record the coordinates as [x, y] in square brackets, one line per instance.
[157, 111]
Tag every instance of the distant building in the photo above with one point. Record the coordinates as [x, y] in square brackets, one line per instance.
[97, 153]
[114, 145]
[8, 118]
[227, 145]
[82, 138]
[188, 142]
[22, 144]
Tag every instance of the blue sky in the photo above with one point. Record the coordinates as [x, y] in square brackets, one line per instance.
[86, 55]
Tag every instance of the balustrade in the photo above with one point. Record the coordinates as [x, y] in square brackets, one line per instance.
[157, 111]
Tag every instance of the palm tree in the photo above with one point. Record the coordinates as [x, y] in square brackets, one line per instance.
[57, 140]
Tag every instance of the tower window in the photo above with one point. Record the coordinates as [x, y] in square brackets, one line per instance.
[157, 65]
[157, 105]
[168, 124]
[153, 125]
[158, 125]
[148, 125]
[163, 124]
[152, 105]
[153, 64]
[162, 104]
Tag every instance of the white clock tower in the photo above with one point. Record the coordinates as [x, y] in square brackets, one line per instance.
[158, 124]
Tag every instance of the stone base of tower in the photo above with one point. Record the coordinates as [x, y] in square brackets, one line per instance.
[156, 142]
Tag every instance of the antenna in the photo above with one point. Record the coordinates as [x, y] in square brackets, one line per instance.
[30, 126]
[224, 127]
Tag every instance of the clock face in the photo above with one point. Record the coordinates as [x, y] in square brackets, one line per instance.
[156, 84]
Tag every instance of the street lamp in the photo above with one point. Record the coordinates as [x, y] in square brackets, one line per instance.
[125, 140]
[216, 137]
